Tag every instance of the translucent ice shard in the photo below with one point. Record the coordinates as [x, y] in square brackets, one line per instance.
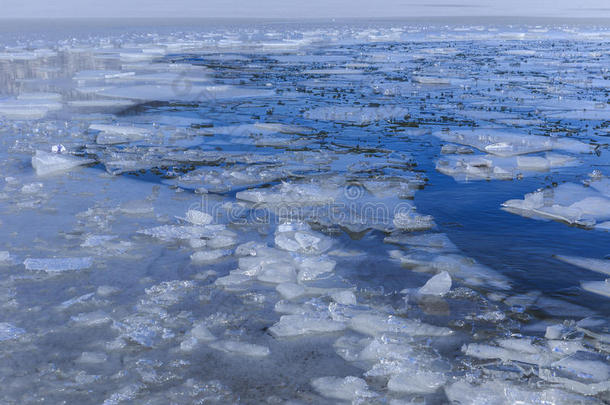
[206, 256]
[197, 217]
[302, 241]
[115, 134]
[46, 163]
[439, 284]
[374, 324]
[417, 382]
[290, 290]
[346, 389]
[295, 325]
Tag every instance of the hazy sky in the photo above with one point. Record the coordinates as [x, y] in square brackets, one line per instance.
[302, 8]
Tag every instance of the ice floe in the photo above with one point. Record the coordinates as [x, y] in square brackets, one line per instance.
[571, 203]
[46, 163]
[504, 144]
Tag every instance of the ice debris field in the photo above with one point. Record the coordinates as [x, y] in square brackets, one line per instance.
[305, 214]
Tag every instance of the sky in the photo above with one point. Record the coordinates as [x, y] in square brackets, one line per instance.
[301, 8]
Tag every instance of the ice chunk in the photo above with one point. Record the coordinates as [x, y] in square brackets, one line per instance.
[197, 217]
[304, 241]
[457, 266]
[346, 389]
[223, 239]
[171, 233]
[76, 300]
[107, 291]
[568, 202]
[439, 284]
[410, 221]
[488, 167]
[290, 290]
[115, 134]
[288, 194]
[531, 354]
[9, 331]
[295, 325]
[504, 392]
[28, 108]
[232, 280]
[58, 265]
[311, 268]
[142, 329]
[199, 333]
[127, 393]
[357, 115]
[345, 297]
[431, 80]
[166, 293]
[503, 143]
[92, 318]
[92, 358]
[240, 348]
[207, 256]
[277, 272]
[449, 149]
[595, 327]
[418, 382]
[50, 163]
[584, 372]
[376, 324]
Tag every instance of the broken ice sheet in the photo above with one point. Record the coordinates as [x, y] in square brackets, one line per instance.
[568, 202]
[489, 167]
[440, 284]
[46, 163]
[114, 134]
[503, 143]
[357, 115]
[349, 388]
[297, 325]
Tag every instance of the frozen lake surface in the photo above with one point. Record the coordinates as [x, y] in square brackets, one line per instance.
[266, 212]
